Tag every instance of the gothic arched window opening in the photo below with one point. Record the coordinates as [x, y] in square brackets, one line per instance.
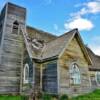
[15, 29]
[75, 74]
[26, 73]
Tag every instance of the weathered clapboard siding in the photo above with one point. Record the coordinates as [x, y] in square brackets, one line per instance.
[5, 89]
[37, 77]
[28, 60]
[13, 74]
[10, 67]
[11, 51]
[50, 83]
[73, 53]
[27, 87]
[9, 81]
[94, 83]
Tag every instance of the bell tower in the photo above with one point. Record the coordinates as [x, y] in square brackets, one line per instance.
[12, 20]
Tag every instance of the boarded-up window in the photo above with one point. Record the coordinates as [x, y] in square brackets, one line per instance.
[50, 78]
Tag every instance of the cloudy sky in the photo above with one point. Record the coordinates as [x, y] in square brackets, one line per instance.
[60, 16]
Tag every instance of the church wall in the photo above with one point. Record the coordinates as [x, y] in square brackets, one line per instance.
[27, 87]
[94, 83]
[73, 54]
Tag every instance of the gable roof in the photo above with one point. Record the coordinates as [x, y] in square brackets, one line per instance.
[57, 46]
[95, 60]
[54, 47]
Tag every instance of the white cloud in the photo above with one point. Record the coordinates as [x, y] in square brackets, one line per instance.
[92, 7]
[80, 23]
[77, 20]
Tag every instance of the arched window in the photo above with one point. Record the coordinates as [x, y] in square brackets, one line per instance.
[75, 74]
[98, 77]
[26, 73]
[15, 29]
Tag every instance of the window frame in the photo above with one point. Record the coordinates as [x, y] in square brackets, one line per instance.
[26, 80]
[98, 83]
[76, 80]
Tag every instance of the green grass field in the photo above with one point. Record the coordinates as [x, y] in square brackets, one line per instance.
[95, 95]
[9, 97]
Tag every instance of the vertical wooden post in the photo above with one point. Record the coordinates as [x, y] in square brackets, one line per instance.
[41, 75]
[21, 69]
[58, 76]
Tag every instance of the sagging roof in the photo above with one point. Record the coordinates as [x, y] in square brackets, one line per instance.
[36, 39]
[95, 60]
[40, 34]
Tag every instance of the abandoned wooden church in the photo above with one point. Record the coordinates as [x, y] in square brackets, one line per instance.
[32, 60]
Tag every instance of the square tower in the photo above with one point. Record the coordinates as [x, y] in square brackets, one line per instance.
[12, 20]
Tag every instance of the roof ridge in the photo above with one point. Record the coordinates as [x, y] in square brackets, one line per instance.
[69, 32]
[75, 29]
[54, 47]
[40, 30]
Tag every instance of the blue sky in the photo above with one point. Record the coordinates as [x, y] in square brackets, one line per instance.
[60, 16]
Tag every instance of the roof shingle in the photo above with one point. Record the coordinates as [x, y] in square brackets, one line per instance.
[54, 47]
[95, 60]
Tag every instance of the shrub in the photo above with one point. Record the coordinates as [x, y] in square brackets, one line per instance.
[64, 97]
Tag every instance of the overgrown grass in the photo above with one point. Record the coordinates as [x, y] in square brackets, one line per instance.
[95, 95]
[10, 97]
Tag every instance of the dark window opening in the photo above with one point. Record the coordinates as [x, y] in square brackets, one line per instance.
[15, 28]
[0, 27]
